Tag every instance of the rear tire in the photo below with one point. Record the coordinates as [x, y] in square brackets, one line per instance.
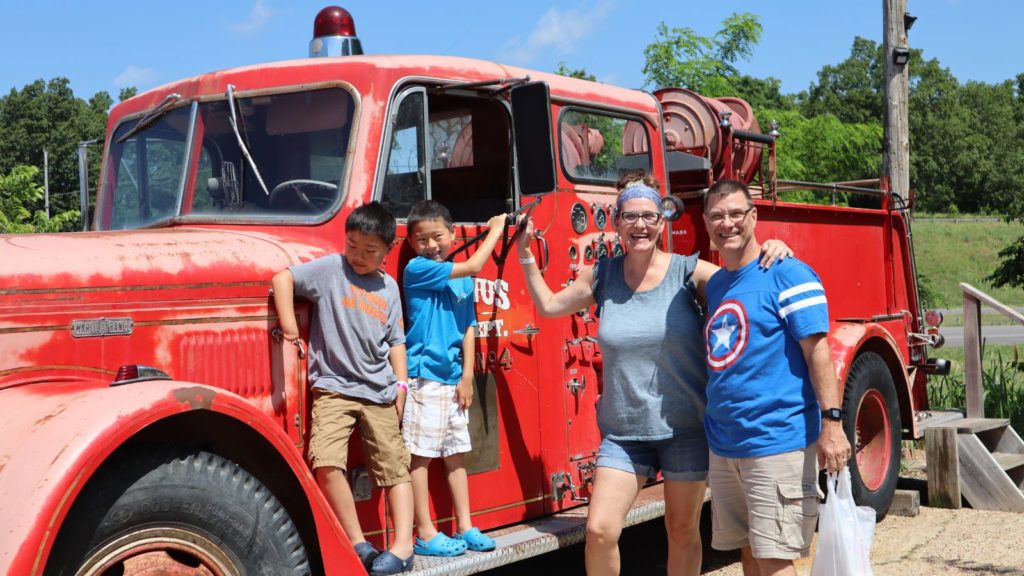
[872, 424]
[180, 512]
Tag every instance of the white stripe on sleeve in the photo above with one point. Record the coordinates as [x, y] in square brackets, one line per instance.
[802, 304]
[800, 289]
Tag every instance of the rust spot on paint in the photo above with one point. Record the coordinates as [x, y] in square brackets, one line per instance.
[196, 397]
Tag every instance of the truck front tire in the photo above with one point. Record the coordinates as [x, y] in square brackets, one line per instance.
[177, 511]
[872, 424]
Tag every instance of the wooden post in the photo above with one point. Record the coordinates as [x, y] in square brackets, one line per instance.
[972, 356]
[896, 157]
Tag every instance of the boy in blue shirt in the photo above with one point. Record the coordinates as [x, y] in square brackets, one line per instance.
[441, 345]
[357, 362]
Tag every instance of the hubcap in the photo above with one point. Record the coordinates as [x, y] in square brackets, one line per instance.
[873, 439]
[170, 551]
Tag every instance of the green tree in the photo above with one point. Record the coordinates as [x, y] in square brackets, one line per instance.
[681, 57]
[47, 115]
[18, 192]
[823, 148]
[563, 70]
[851, 90]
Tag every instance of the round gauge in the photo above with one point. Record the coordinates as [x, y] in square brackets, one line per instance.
[588, 253]
[573, 253]
[602, 250]
[600, 218]
[617, 250]
[579, 218]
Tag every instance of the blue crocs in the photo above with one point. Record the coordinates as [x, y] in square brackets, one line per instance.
[367, 553]
[476, 540]
[440, 545]
[388, 563]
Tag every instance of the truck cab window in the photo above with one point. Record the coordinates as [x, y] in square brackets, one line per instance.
[298, 142]
[596, 147]
[462, 157]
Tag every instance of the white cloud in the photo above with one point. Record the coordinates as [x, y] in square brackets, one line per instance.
[135, 76]
[557, 30]
[254, 21]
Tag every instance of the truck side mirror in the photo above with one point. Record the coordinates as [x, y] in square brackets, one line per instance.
[531, 133]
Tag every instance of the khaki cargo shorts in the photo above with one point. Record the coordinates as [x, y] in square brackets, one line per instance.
[335, 417]
[769, 503]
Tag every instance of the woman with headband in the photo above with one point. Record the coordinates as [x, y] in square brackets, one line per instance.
[651, 411]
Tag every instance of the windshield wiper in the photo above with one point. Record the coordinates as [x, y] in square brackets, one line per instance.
[241, 142]
[149, 119]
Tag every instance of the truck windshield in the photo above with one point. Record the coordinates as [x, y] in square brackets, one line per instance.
[298, 142]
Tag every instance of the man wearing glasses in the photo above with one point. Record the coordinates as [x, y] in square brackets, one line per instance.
[773, 399]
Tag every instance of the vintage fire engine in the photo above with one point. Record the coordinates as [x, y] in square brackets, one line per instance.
[153, 421]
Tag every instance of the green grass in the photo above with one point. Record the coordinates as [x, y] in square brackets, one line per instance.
[1002, 374]
[949, 253]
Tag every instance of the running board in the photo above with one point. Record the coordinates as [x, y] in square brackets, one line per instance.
[537, 537]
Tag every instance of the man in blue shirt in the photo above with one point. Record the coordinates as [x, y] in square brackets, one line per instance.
[773, 398]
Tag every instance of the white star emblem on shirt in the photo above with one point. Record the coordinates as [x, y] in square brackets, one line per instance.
[723, 333]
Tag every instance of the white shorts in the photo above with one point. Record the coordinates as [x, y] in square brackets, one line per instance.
[433, 425]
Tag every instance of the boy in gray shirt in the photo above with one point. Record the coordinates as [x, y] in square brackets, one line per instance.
[357, 367]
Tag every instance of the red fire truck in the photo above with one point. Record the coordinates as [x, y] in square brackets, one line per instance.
[152, 419]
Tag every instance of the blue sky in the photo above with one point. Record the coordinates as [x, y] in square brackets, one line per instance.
[117, 43]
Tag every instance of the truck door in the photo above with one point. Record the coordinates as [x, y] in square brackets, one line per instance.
[455, 147]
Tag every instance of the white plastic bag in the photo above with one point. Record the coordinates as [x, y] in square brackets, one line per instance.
[845, 531]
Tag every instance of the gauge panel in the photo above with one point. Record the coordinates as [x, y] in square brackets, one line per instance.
[588, 253]
[618, 250]
[579, 218]
[602, 250]
[574, 253]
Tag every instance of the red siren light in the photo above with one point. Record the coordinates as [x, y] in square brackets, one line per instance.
[334, 21]
[334, 34]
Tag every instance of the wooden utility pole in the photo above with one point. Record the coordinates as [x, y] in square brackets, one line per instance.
[896, 157]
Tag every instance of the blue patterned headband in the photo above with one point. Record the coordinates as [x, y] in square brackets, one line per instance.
[638, 190]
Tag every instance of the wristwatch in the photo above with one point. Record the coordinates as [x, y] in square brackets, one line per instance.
[832, 414]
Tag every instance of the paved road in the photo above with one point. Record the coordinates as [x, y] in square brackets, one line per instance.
[992, 334]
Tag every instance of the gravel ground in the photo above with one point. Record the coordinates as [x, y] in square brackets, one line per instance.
[939, 542]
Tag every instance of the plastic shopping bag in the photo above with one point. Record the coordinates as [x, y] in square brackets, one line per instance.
[845, 531]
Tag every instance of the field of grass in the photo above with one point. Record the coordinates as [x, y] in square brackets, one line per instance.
[1002, 375]
[951, 252]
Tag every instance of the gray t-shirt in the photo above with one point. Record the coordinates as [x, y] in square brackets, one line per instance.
[357, 319]
[653, 348]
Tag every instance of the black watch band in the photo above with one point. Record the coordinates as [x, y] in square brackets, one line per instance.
[832, 414]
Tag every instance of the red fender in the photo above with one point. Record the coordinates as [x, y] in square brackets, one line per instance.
[55, 436]
[847, 339]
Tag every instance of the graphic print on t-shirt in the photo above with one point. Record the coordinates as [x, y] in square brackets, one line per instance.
[726, 334]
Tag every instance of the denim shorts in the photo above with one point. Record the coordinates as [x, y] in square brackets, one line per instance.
[683, 457]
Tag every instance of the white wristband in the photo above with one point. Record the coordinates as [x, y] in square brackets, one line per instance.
[530, 260]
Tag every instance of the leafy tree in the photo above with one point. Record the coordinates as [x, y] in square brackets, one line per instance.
[19, 191]
[852, 90]
[127, 93]
[681, 57]
[762, 92]
[823, 149]
[47, 115]
[563, 70]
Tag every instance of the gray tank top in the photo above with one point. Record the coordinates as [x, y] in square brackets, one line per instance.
[653, 347]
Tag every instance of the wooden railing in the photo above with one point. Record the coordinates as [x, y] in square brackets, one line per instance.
[972, 343]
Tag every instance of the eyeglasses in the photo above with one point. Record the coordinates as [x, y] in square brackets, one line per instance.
[734, 216]
[650, 218]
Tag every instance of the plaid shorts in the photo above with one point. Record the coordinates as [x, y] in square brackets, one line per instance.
[433, 425]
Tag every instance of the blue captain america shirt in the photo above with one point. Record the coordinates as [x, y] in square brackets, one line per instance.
[760, 398]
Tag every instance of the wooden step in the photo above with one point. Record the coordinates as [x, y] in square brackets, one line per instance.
[1008, 461]
[976, 425]
[983, 482]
